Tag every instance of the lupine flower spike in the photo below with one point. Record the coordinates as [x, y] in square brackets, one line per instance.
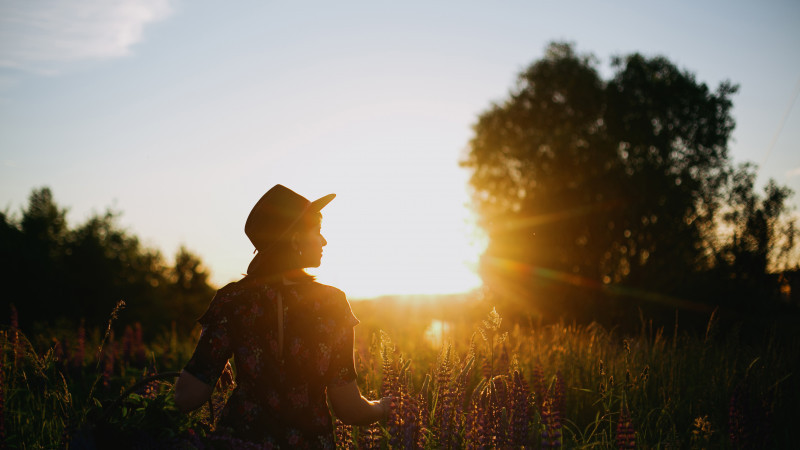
[626, 435]
[551, 434]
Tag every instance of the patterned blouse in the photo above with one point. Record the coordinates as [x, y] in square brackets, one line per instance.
[279, 400]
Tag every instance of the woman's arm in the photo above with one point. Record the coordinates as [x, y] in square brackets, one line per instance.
[190, 392]
[353, 409]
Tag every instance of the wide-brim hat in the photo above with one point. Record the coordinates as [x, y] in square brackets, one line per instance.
[274, 216]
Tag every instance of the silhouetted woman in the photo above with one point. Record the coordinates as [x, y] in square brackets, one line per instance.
[291, 338]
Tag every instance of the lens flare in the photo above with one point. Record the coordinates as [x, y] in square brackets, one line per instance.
[516, 270]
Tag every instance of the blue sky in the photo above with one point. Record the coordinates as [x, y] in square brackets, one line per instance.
[181, 114]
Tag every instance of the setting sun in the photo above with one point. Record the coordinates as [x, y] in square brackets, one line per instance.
[429, 255]
[398, 240]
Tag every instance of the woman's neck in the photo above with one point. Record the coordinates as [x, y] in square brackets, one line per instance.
[293, 276]
[296, 276]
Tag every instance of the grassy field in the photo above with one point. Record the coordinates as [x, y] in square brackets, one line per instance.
[462, 376]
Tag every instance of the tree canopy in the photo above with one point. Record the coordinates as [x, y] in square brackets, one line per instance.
[585, 184]
[50, 271]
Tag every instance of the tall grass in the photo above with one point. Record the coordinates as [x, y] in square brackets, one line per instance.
[486, 384]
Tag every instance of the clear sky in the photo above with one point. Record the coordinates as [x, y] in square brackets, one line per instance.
[181, 114]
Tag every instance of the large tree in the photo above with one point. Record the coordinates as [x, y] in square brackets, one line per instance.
[592, 183]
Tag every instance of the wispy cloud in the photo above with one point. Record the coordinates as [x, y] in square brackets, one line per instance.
[793, 173]
[40, 35]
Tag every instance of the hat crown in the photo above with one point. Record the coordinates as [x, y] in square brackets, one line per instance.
[272, 216]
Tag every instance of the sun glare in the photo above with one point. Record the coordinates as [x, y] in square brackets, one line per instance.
[408, 247]
[437, 333]
[388, 257]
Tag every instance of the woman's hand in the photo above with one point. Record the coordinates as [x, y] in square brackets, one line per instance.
[353, 409]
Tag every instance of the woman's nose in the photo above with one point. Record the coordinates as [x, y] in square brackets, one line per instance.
[324, 242]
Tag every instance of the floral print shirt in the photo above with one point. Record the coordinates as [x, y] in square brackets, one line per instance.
[279, 399]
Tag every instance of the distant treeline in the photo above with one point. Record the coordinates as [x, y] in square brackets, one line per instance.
[58, 275]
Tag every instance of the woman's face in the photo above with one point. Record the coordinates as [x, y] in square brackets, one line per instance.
[309, 247]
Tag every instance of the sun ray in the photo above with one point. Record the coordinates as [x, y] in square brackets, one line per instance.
[521, 271]
[558, 216]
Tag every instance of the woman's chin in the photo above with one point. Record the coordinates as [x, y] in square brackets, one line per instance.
[315, 263]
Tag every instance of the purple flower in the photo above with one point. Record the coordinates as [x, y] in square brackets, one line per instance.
[626, 436]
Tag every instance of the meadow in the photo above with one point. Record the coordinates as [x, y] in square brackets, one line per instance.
[462, 376]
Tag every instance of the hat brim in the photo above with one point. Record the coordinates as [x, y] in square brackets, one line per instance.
[320, 203]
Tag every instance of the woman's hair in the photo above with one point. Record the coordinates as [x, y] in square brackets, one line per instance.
[282, 257]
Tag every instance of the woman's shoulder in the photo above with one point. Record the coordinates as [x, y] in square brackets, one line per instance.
[232, 292]
[323, 292]
[232, 297]
[330, 302]
[331, 290]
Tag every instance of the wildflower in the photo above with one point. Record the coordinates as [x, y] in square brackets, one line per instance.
[58, 350]
[423, 419]
[559, 394]
[626, 436]
[65, 360]
[14, 321]
[370, 437]
[408, 411]
[149, 390]
[138, 346]
[461, 390]
[551, 434]
[499, 411]
[702, 431]
[391, 387]
[127, 345]
[519, 401]
[344, 435]
[539, 391]
[108, 368]
[503, 360]
[80, 348]
[14, 336]
[470, 425]
[486, 368]
[443, 414]
[485, 420]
